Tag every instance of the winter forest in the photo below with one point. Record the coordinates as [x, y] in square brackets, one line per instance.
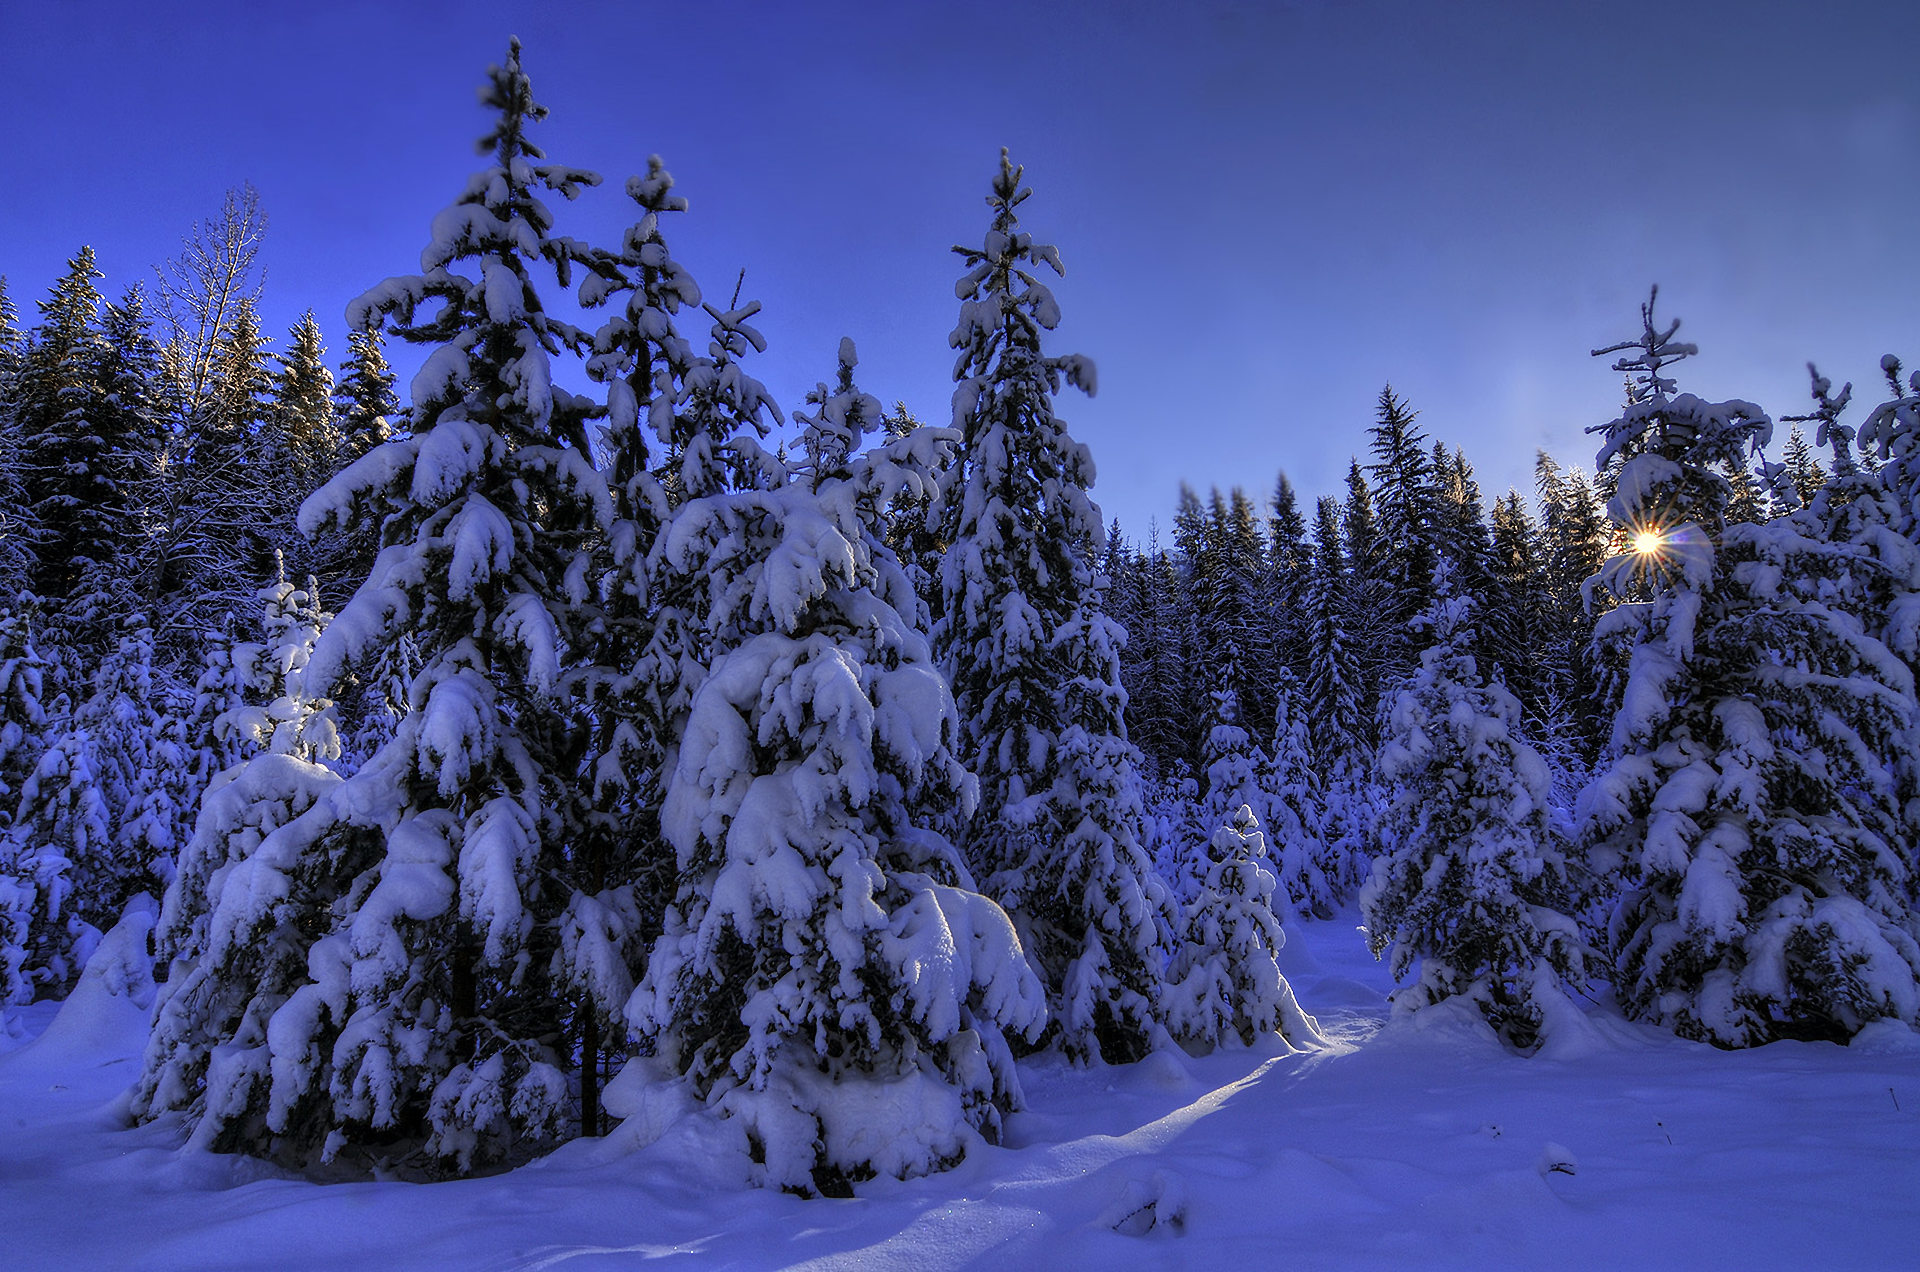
[447, 771]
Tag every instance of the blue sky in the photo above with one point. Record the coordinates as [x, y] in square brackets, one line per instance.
[1267, 211]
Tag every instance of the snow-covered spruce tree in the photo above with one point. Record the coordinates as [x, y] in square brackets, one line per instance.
[63, 453]
[23, 726]
[1802, 467]
[1874, 573]
[1233, 763]
[1748, 799]
[304, 430]
[385, 696]
[1891, 437]
[19, 526]
[137, 717]
[221, 686]
[1406, 505]
[130, 423]
[416, 902]
[1858, 507]
[61, 829]
[365, 414]
[23, 714]
[228, 973]
[272, 717]
[826, 958]
[1225, 982]
[98, 818]
[626, 871]
[1474, 883]
[709, 414]
[365, 410]
[1098, 801]
[909, 536]
[1020, 620]
[1294, 798]
[1170, 826]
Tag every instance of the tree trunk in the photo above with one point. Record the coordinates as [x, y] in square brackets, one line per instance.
[589, 1067]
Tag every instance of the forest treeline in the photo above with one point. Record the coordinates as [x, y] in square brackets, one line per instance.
[489, 746]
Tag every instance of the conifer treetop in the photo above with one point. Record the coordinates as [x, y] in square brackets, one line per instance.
[1004, 307]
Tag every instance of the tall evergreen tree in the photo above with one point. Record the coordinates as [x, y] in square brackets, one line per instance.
[421, 895]
[305, 434]
[12, 343]
[64, 456]
[364, 414]
[1747, 802]
[1373, 633]
[1231, 779]
[1406, 505]
[97, 818]
[133, 425]
[365, 410]
[1514, 623]
[1474, 884]
[1225, 556]
[239, 962]
[18, 525]
[1021, 620]
[703, 415]
[793, 961]
[624, 878]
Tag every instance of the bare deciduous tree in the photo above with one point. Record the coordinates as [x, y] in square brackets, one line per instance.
[202, 289]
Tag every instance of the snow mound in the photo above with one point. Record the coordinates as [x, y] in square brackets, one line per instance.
[1887, 1038]
[109, 1012]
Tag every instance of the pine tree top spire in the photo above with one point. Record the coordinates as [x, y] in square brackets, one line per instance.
[1004, 307]
[845, 416]
[74, 304]
[1673, 464]
[1825, 416]
[509, 91]
[1657, 349]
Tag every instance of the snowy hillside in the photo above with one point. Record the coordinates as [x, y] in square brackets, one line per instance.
[1423, 1144]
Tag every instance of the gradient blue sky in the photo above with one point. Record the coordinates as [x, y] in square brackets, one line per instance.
[1266, 210]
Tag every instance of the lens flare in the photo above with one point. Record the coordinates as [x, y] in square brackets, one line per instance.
[1647, 542]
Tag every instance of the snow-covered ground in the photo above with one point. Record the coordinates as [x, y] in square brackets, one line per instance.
[1405, 1146]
